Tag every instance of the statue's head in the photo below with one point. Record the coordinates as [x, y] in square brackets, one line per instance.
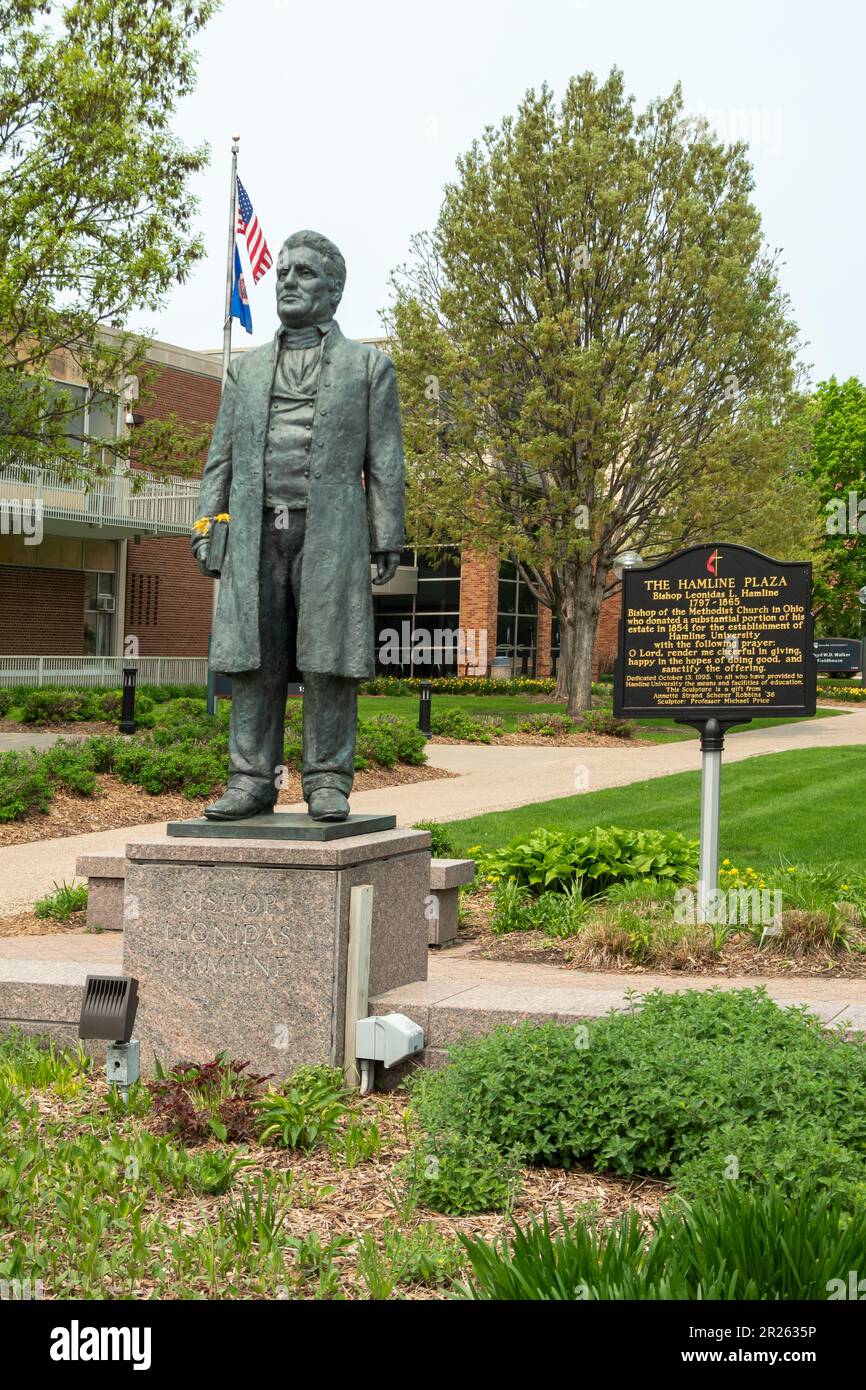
[311, 274]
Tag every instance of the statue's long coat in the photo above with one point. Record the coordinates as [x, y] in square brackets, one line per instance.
[354, 508]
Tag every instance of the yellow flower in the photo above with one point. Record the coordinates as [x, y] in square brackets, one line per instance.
[202, 525]
[223, 516]
[791, 869]
[845, 887]
[473, 849]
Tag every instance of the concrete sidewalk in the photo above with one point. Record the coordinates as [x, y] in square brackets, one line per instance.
[41, 979]
[488, 778]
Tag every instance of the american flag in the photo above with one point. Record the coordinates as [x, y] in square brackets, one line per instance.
[248, 226]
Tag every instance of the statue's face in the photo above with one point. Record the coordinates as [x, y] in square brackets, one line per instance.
[304, 293]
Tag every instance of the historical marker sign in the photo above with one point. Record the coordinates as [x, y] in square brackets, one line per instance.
[716, 632]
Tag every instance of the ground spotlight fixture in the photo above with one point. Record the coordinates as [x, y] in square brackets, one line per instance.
[108, 1011]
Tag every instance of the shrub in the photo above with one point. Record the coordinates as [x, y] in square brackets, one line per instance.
[548, 725]
[24, 785]
[602, 721]
[386, 739]
[455, 723]
[441, 846]
[597, 858]
[736, 1245]
[70, 763]
[458, 1175]
[460, 685]
[305, 1111]
[5, 702]
[648, 1091]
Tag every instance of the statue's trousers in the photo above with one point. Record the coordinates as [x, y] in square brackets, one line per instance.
[256, 731]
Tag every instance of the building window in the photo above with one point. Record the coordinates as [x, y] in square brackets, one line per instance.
[91, 412]
[517, 621]
[426, 623]
[99, 599]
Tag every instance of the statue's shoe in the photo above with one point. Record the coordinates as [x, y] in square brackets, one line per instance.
[328, 804]
[238, 804]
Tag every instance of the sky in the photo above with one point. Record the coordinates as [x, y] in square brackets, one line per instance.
[352, 115]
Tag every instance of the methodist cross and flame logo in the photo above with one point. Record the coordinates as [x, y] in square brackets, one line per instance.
[713, 562]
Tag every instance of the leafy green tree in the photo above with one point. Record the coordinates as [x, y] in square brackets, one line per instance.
[95, 212]
[838, 470]
[593, 328]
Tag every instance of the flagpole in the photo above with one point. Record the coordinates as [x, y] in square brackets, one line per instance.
[230, 260]
[227, 342]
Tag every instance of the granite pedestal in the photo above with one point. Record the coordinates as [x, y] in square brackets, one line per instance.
[240, 945]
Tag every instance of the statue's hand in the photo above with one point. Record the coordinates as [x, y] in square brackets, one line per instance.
[386, 562]
[200, 547]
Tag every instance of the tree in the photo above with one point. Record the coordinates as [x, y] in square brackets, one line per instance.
[95, 212]
[593, 328]
[838, 469]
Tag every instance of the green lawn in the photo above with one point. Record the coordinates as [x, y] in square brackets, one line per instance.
[809, 806]
[509, 708]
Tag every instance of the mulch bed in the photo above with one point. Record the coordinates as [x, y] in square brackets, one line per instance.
[337, 1201]
[558, 741]
[739, 955]
[117, 804]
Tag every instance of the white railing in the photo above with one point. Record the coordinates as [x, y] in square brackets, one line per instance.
[162, 505]
[101, 670]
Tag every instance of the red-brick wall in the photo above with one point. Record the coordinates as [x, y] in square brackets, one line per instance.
[479, 599]
[168, 603]
[607, 634]
[41, 611]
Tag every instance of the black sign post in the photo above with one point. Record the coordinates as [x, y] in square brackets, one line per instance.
[715, 636]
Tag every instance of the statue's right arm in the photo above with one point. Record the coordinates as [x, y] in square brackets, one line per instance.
[217, 476]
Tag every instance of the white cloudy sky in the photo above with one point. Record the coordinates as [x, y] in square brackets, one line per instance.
[351, 115]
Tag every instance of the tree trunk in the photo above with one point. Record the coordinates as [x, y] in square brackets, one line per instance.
[578, 623]
[563, 665]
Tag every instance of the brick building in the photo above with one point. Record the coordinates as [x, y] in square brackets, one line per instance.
[113, 575]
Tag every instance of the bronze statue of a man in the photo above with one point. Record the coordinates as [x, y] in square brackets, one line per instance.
[307, 460]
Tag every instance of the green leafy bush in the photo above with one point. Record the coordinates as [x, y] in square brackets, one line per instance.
[305, 1111]
[441, 846]
[597, 858]
[5, 702]
[602, 721]
[649, 1091]
[70, 764]
[548, 725]
[736, 1245]
[385, 740]
[456, 723]
[24, 785]
[459, 1174]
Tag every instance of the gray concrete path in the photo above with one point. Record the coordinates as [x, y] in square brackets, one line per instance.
[41, 978]
[488, 778]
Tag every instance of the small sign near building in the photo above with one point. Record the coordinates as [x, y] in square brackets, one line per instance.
[840, 656]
